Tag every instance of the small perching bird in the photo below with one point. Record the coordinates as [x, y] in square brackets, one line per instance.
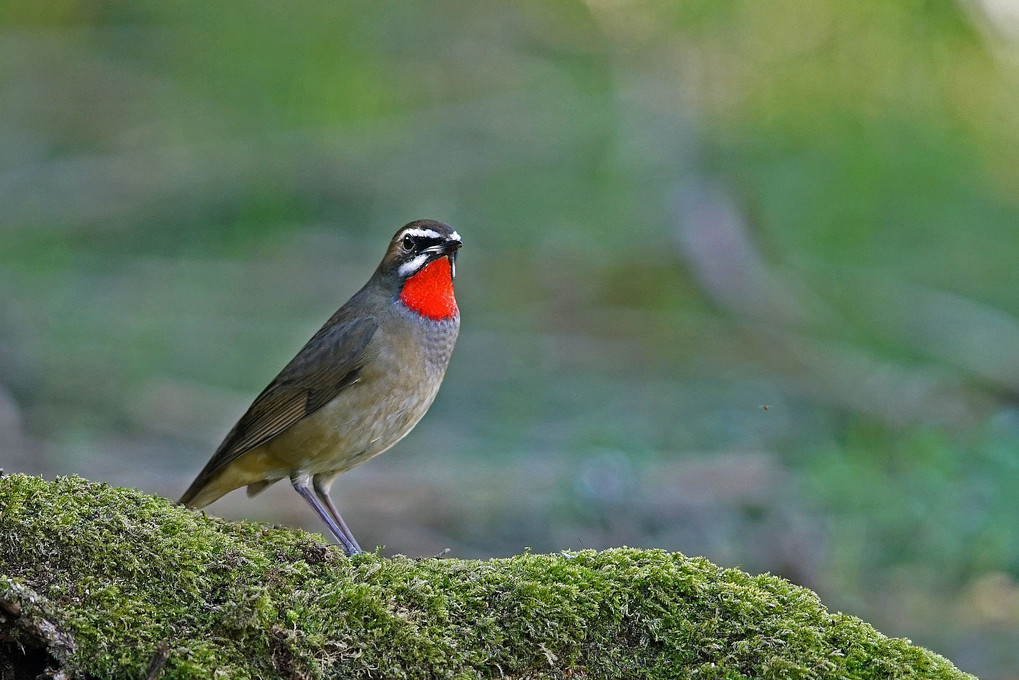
[361, 383]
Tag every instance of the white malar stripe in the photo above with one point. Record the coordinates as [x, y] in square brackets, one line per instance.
[408, 268]
[426, 233]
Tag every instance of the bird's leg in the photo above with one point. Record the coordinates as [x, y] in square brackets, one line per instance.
[321, 485]
[300, 483]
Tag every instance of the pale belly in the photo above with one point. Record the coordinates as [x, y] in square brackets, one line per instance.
[369, 416]
[365, 419]
[360, 423]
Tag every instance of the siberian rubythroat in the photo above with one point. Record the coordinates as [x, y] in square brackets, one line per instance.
[357, 387]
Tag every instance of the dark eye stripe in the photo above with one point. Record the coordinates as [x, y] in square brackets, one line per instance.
[423, 242]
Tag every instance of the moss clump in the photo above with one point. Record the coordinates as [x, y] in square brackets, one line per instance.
[126, 574]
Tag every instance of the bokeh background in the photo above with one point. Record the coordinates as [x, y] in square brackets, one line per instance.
[739, 276]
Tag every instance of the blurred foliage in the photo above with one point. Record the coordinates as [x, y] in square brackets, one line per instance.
[675, 215]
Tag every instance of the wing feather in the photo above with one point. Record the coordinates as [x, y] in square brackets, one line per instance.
[325, 366]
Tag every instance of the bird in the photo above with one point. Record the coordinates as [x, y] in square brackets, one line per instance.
[358, 386]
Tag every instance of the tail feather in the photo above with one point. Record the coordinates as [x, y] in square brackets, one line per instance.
[253, 470]
[209, 485]
[191, 497]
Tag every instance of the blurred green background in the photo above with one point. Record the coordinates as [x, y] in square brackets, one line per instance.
[739, 277]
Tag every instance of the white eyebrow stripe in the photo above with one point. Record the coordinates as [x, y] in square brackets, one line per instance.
[411, 266]
[425, 233]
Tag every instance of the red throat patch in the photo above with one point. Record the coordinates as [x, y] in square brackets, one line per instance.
[430, 291]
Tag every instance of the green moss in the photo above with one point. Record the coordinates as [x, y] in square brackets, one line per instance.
[124, 572]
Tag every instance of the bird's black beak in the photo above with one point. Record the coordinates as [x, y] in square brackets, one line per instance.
[452, 262]
[453, 245]
[447, 248]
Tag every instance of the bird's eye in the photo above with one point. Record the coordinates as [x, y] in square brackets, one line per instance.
[408, 243]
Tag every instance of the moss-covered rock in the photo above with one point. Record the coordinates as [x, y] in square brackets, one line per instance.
[101, 582]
